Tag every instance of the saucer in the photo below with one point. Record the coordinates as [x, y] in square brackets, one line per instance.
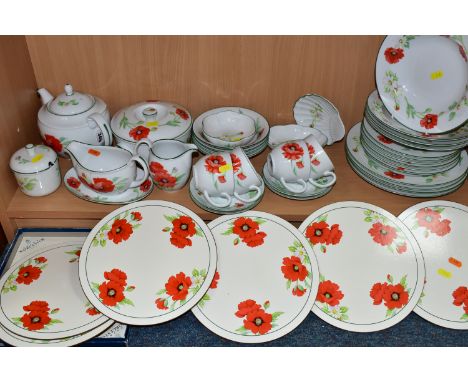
[77, 188]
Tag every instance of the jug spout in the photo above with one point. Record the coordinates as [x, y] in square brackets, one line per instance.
[45, 95]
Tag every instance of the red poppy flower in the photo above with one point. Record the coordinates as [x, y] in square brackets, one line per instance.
[136, 216]
[37, 306]
[157, 168]
[213, 163]
[26, 275]
[102, 185]
[73, 182]
[428, 218]
[298, 292]
[292, 151]
[236, 162]
[311, 150]
[93, 311]
[35, 320]
[385, 140]
[377, 292]
[245, 227]
[78, 253]
[222, 179]
[53, 143]
[402, 248]
[394, 175]
[318, 232]
[300, 164]
[393, 55]
[182, 114]
[335, 235]
[466, 309]
[139, 132]
[245, 307]
[184, 226]
[462, 52]
[258, 321]
[442, 228]
[383, 234]
[180, 241]
[117, 276]
[145, 186]
[293, 269]
[395, 296]
[255, 240]
[41, 260]
[165, 180]
[241, 176]
[329, 293]
[177, 286]
[429, 121]
[460, 296]
[121, 230]
[161, 304]
[214, 282]
[111, 293]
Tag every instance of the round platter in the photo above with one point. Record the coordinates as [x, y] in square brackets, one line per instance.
[147, 262]
[371, 268]
[423, 82]
[42, 296]
[440, 230]
[266, 281]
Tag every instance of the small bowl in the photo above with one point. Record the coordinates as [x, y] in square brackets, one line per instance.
[229, 129]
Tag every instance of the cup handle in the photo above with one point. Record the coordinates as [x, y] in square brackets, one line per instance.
[300, 181]
[104, 127]
[143, 164]
[211, 201]
[250, 200]
[325, 185]
[144, 141]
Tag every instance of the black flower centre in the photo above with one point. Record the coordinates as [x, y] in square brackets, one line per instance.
[258, 321]
[180, 287]
[245, 227]
[118, 229]
[429, 120]
[184, 227]
[393, 53]
[139, 131]
[292, 148]
[216, 161]
[111, 292]
[428, 219]
[35, 320]
[26, 274]
[318, 232]
[328, 295]
[383, 232]
[395, 296]
[296, 268]
[164, 180]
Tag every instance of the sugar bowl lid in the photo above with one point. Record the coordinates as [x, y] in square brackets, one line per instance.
[71, 102]
[32, 159]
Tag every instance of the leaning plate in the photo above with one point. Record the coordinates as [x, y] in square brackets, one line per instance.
[147, 262]
[266, 280]
[371, 268]
[42, 296]
[423, 82]
[440, 229]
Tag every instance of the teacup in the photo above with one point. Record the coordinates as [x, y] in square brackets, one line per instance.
[229, 129]
[320, 164]
[213, 176]
[246, 179]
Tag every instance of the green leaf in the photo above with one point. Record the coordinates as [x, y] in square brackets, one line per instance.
[367, 212]
[368, 219]
[275, 315]
[103, 243]
[169, 218]
[13, 288]
[322, 218]
[288, 284]
[390, 278]
[403, 281]
[95, 285]
[242, 330]
[161, 291]
[55, 321]
[266, 305]
[451, 115]
[344, 317]
[199, 232]
[323, 248]
[127, 301]
[321, 278]
[130, 289]
[227, 232]
[195, 273]
[206, 297]
[236, 241]
[16, 319]
[343, 309]
[464, 317]
[260, 221]
[203, 273]
[389, 313]
[292, 249]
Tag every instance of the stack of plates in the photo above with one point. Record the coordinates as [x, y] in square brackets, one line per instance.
[252, 149]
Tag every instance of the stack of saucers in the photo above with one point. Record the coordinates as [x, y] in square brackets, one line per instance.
[225, 128]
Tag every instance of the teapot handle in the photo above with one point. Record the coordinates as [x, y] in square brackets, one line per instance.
[143, 164]
[103, 125]
[324, 185]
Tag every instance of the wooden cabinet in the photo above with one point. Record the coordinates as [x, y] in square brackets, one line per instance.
[264, 73]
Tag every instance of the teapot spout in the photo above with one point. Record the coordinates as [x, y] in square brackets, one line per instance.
[45, 95]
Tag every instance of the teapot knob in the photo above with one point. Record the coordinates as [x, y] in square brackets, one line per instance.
[30, 149]
[68, 90]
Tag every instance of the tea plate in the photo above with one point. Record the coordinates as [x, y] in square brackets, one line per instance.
[147, 262]
[42, 297]
[77, 188]
[440, 230]
[371, 268]
[423, 82]
[266, 280]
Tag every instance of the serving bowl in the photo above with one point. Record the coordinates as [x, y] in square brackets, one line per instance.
[228, 129]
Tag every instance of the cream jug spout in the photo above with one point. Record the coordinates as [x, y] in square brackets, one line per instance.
[45, 95]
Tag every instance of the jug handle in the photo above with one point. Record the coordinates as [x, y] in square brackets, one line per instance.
[138, 182]
[104, 127]
[144, 141]
[250, 200]
[300, 181]
[211, 201]
[329, 184]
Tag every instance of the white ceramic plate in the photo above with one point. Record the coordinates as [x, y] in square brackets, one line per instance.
[147, 262]
[266, 280]
[423, 82]
[440, 230]
[41, 296]
[371, 268]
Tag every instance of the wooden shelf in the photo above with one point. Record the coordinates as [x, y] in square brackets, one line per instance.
[62, 209]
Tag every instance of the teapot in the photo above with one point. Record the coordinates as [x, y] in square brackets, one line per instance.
[73, 116]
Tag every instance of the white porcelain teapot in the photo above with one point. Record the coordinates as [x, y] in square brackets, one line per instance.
[73, 116]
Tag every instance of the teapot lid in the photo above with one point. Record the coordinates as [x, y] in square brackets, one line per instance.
[71, 102]
[32, 159]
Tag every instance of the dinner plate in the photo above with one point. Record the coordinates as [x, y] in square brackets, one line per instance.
[266, 281]
[440, 229]
[41, 296]
[371, 268]
[423, 82]
[147, 262]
